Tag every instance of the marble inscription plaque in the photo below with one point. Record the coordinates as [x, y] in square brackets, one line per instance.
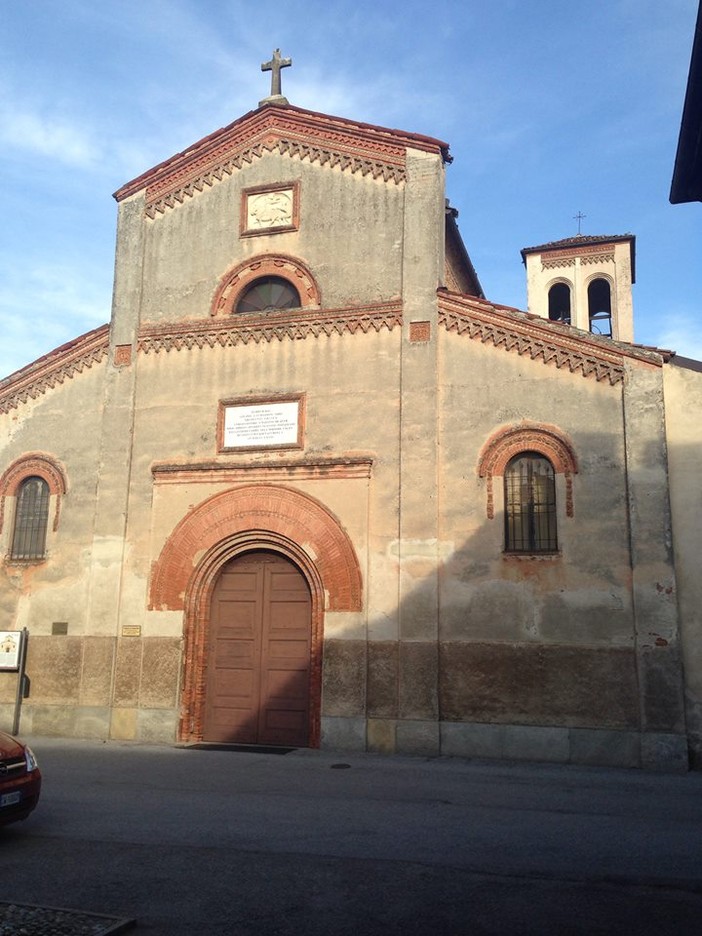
[261, 425]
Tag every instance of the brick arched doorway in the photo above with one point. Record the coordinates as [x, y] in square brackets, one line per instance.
[259, 655]
[244, 520]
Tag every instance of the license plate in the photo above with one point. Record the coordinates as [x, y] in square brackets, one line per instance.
[9, 799]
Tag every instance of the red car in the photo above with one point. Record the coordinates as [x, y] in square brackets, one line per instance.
[20, 780]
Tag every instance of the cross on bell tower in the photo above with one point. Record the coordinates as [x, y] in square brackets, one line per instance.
[274, 67]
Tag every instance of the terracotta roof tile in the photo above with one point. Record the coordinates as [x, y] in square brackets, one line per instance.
[580, 240]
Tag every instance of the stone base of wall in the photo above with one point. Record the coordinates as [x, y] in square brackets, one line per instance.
[145, 724]
[586, 746]
[96, 723]
[343, 734]
[59, 721]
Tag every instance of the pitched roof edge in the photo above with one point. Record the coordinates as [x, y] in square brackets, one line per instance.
[371, 132]
[35, 378]
[454, 232]
[686, 363]
[586, 240]
[686, 184]
[579, 240]
[567, 336]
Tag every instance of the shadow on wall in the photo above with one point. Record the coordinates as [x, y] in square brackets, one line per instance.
[576, 637]
[554, 638]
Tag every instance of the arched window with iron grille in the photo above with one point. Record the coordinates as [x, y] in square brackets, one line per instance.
[31, 519]
[530, 504]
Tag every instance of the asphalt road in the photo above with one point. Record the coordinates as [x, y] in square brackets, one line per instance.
[220, 842]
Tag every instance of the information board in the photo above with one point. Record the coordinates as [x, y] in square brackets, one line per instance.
[10, 647]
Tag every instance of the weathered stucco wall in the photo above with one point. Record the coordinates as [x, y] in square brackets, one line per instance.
[432, 638]
[534, 639]
[62, 424]
[683, 404]
[70, 670]
[350, 235]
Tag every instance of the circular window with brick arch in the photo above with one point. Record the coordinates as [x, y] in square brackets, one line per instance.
[266, 284]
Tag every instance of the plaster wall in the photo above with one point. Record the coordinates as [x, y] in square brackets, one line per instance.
[350, 235]
[70, 672]
[683, 402]
[164, 407]
[356, 387]
[351, 386]
[351, 409]
[659, 666]
[63, 424]
[512, 624]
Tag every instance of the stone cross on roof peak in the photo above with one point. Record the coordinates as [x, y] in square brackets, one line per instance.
[274, 67]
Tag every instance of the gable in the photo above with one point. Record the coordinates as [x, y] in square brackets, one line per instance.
[290, 131]
[333, 198]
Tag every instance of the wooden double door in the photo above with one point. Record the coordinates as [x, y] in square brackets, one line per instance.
[258, 661]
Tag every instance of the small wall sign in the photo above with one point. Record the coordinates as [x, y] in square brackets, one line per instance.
[270, 209]
[10, 647]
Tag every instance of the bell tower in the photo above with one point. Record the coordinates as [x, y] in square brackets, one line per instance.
[584, 281]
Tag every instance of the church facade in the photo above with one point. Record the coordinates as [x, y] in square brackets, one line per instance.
[311, 488]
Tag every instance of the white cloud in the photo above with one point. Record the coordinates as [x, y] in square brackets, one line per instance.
[65, 303]
[32, 131]
[683, 334]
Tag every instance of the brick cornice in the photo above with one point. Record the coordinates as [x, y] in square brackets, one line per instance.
[539, 339]
[250, 471]
[272, 326]
[54, 368]
[555, 263]
[288, 131]
[586, 255]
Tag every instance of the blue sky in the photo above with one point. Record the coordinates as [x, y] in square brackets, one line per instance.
[550, 107]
